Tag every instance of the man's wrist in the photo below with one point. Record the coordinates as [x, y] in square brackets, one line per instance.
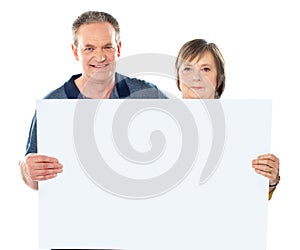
[28, 181]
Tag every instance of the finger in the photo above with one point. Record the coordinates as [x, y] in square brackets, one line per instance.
[263, 167]
[44, 169]
[44, 177]
[45, 165]
[42, 158]
[266, 159]
[269, 157]
[271, 169]
[270, 173]
[270, 176]
[267, 162]
[268, 166]
[44, 174]
[264, 173]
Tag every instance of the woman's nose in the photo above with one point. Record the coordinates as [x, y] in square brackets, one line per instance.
[197, 75]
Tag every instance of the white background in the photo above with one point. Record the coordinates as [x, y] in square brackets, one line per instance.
[257, 38]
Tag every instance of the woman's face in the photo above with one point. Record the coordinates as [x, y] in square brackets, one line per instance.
[198, 78]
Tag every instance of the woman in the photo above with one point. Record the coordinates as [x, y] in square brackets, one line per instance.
[200, 74]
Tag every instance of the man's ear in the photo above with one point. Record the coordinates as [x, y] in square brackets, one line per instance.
[119, 49]
[75, 51]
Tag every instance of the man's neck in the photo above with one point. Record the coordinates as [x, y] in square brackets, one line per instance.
[95, 88]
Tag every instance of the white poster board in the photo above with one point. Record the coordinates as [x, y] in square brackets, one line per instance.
[154, 174]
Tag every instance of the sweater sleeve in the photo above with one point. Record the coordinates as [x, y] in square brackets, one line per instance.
[31, 146]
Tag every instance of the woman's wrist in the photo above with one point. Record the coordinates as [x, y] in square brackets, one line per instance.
[275, 182]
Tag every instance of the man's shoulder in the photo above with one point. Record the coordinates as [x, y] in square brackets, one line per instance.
[65, 91]
[134, 83]
[139, 88]
[58, 93]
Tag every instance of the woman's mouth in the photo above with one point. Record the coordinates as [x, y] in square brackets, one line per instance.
[197, 87]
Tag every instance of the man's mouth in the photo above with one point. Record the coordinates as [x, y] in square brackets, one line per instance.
[99, 66]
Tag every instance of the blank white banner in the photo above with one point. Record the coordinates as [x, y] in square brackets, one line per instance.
[154, 174]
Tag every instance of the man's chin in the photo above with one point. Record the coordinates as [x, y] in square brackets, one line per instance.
[102, 75]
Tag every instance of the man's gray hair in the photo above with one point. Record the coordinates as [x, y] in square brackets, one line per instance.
[95, 17]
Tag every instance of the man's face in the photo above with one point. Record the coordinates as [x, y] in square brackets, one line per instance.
[97, 51]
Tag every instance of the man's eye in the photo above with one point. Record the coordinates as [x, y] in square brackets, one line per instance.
[109, 47]
[88, 49]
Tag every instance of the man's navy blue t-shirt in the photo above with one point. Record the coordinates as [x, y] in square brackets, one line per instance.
[125, 87]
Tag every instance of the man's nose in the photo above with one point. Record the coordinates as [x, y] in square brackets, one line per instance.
[99, 55]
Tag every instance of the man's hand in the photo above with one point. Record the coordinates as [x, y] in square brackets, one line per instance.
[35, 168]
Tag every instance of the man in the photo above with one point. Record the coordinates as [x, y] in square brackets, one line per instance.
[96, 45]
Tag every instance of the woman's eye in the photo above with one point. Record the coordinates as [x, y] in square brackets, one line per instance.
[206, 69]
[187, 69]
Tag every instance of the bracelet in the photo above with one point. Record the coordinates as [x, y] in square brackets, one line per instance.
[274, 185]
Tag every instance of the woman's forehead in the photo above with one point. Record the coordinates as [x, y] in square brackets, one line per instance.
[205, 57]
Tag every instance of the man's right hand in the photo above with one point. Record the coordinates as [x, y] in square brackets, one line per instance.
[35, 168]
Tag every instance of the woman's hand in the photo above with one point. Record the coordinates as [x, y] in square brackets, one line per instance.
[268, 166]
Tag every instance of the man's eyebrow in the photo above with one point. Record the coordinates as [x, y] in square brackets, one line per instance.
[91, 45]
[109, 44]
[88, 45]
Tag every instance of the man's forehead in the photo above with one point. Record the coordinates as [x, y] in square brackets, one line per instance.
[96, 39]
[96, 31]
